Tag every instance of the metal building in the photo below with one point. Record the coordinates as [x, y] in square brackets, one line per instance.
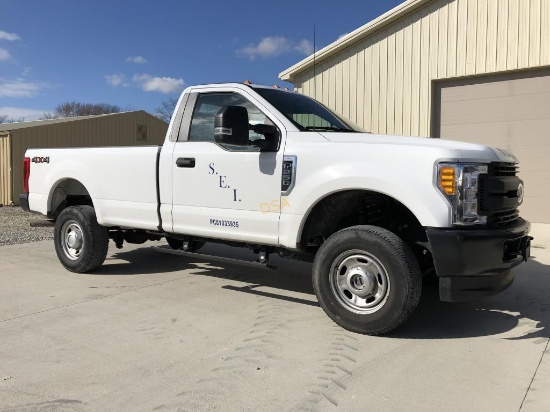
[118, 129]
[471, 70]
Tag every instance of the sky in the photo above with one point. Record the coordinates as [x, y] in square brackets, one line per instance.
[136, 54]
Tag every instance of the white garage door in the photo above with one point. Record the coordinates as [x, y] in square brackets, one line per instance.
[511, 112]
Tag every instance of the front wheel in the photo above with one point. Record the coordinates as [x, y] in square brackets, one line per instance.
[81, 243]
[367, 279]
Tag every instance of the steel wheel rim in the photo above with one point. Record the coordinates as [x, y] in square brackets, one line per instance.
[359, 281]
[72, 239]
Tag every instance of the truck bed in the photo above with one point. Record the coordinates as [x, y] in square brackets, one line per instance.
[122, 181]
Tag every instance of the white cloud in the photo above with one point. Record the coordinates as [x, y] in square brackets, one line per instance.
[305, 47]
[4, 35]
[19, 112]
[267, 47]
[115, 80]
[149, 83]
[19, 88]
[136, 59]
[4, 54]
[274, 46]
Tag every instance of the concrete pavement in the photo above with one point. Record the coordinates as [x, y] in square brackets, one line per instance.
[151, 331]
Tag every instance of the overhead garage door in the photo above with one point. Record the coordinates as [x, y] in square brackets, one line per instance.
[511, 112]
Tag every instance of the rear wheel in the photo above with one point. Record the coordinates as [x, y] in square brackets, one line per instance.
[177, 244]
[367, 279]
[81, 243]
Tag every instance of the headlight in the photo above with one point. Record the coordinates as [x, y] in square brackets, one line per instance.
[459, 183]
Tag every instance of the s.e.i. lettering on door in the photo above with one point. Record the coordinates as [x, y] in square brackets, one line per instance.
[223, 182]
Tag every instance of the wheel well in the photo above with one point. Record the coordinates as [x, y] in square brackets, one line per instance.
[68, 192]
[359, 207]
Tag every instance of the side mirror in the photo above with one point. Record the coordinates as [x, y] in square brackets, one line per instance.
[231, 126]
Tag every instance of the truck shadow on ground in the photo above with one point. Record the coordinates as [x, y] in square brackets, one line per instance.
[141, 261]
[525, 306]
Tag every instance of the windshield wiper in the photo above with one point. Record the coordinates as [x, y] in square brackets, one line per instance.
[328, 129]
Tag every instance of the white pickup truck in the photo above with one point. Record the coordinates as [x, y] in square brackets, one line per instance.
[278, 172]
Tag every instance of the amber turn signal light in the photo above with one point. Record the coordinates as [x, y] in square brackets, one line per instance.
[447, 181]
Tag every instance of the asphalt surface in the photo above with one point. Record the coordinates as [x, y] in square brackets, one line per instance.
[157, 332]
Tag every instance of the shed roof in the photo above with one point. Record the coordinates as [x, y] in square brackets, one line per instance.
[349, 39]
[7, 127]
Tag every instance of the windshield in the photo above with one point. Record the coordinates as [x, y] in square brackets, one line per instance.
[305, 113]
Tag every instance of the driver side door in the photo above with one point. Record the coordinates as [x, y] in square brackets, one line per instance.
[220, 191]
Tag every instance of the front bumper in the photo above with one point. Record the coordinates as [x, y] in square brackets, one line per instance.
[474, 263]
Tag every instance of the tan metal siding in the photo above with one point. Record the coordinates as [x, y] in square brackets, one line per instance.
[534, 33]
[492, 31]
[441, 40]
[346, 90]
[374, 103]
[513, 33]
[5, 169]
[112, 130]
[461, 36]
[415, 78]
[471, 37]
[361, 87]
[407, 77]
[390, 112]
[383, 85]
[353, 90]
[544, 33]
[523, 36]
[368, 95]
[399, 83]
[481, 36]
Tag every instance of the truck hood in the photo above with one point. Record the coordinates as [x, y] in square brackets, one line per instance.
[461, 150]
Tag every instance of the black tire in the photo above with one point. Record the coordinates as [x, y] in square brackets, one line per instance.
[177, 244]
[81, 243]
[367, 279]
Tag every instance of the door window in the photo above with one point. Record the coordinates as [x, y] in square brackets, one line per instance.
[206, 108]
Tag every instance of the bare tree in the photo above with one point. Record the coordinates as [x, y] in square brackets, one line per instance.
[4, 118]
[48, 116]
[166, 108]
[74, 108]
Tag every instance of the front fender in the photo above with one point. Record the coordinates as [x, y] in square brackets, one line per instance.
[422, 199]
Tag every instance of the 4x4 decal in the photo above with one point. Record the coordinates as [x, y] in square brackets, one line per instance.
[37, 159]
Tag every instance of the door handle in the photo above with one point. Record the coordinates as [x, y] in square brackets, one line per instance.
[185, 162]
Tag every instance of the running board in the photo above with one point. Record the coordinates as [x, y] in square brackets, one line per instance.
[42, 223]
[167, 249]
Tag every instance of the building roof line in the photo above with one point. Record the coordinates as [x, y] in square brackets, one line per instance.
[6, 127]
[349, 39]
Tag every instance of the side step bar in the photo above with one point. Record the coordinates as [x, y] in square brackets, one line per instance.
[168, 249]
[42, 223]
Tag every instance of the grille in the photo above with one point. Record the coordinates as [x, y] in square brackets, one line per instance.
[502, 218]
[495, 204]
[503, 169]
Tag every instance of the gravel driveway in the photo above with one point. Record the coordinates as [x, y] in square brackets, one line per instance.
[15, 228]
